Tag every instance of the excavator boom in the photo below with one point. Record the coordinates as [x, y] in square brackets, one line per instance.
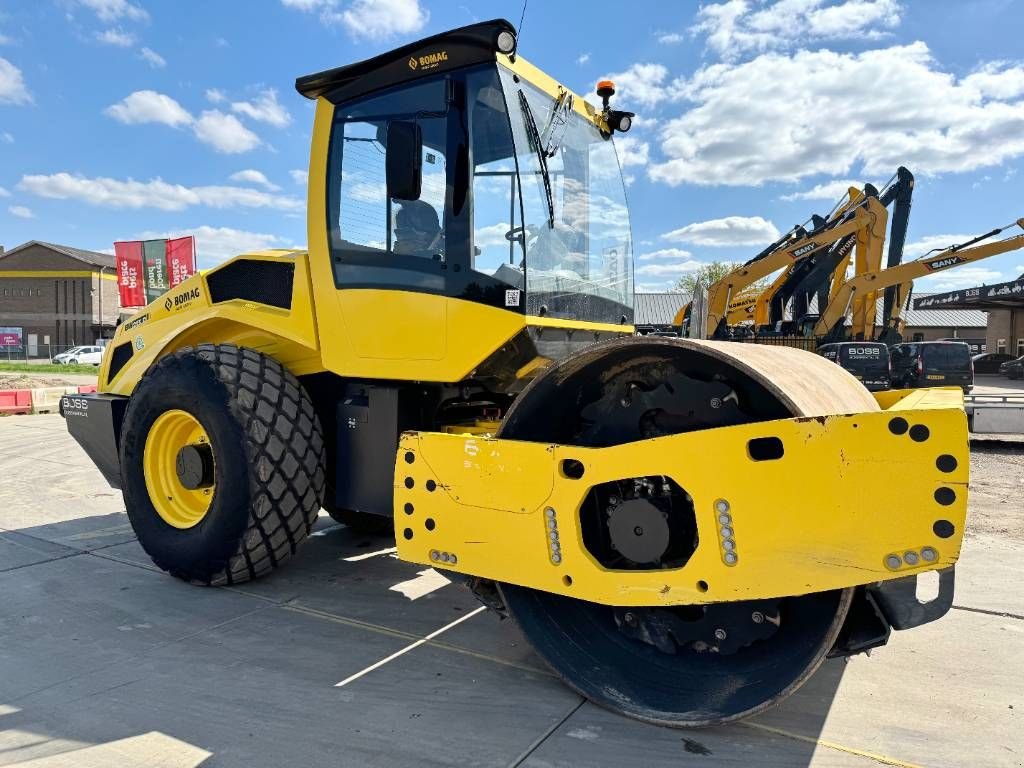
[901, 277]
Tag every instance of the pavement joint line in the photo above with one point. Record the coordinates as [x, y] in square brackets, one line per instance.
[546, 735]
[43, 562]
[391, 632]
[878, 758]
[989, 612]
[410, 647]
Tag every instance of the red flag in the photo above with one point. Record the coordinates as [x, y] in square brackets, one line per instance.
[129, 273]
[181, 259]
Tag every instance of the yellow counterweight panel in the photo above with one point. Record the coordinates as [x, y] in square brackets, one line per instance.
[186, 316]
[850, 497]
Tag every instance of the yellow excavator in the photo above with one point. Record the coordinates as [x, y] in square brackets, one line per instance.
[677, 526]
[832, 322]
[865, 220]
[819, 278]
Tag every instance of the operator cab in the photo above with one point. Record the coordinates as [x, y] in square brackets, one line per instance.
[454, 168]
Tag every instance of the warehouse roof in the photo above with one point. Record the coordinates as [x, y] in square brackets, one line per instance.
[93, 258]
[661, 309]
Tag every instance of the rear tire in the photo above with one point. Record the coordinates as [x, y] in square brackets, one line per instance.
[268, 454]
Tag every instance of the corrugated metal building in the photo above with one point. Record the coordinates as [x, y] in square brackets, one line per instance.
[658, 310]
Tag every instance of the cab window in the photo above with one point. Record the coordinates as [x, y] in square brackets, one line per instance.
[376, 240]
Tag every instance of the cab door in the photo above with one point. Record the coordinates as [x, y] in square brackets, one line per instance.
[389, 258]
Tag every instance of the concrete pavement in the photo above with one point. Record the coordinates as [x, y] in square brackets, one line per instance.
[105, 661]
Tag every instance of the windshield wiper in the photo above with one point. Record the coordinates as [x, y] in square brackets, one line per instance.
[538, 146]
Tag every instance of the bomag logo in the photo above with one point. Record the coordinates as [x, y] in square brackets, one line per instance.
[428, 60]
[796, 254]
[948, 261]
[182, 299]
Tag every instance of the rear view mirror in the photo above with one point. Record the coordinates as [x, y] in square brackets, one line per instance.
[404, 160]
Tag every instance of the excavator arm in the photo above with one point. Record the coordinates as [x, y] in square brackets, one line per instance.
[870, 218]
[901, 277]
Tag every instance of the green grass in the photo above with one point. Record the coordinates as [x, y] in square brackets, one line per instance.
[16, 367]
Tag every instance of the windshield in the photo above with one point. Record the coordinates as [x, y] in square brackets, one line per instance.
[574, 218]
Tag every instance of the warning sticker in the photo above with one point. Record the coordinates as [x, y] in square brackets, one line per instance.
[512, 298]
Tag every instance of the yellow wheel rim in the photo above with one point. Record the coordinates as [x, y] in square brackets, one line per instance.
[177, 505]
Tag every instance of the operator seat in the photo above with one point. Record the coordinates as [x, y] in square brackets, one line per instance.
[417, 230]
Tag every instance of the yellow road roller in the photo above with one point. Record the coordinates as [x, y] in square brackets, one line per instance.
[684, 530]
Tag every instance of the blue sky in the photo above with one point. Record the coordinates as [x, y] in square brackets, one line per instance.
[136, 118]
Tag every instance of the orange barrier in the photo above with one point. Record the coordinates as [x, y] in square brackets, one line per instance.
[15, 401]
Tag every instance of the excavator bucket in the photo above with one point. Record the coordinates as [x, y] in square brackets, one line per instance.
[683, 529]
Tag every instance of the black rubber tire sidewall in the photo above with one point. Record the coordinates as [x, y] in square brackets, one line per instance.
[185, 383]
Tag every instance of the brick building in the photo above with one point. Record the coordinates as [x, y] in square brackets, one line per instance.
[55, 296]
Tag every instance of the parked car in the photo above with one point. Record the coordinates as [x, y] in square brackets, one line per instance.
[867, 360]
[80, 355]
[990, 362]
[932, 364]
[1013, 369]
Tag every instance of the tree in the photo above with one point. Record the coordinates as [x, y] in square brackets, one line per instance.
[707, 274]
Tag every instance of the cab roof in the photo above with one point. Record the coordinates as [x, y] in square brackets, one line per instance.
[456, 48]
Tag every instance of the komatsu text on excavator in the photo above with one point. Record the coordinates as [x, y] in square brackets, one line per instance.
[677, 526]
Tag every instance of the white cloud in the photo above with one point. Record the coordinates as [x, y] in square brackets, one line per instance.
[4, 192]
[12, 84]
[760, 120]
[583, 58]
[217, 244]
[155, 193]
[112, 10]
[299, 176]
[264, 108]
[117, 37]
[728, 231]
[149, 107]
[672, 38]
[632, 151]
[5, 39]
[215, 95]
[959, 277]
[7, 137]
[152, 58]
[252, 176]
[368, 19]
[919, 248]
[641, 84]
[671, 269]
[225, 133]
[829, 190]
[736, 27]
[665, 253]
[491, 235]
[21, 212]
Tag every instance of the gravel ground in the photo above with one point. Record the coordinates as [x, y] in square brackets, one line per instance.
[20, 381]
[997, 491]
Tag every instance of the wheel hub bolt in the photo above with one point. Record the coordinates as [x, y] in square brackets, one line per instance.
[757, 617]
[720, 634]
